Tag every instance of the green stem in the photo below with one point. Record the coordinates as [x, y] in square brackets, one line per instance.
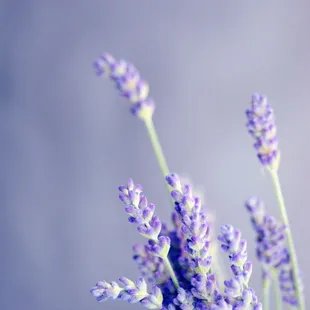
[171, 272]
[156, 146]
[281, 203]
[266, 292]
[279, 302]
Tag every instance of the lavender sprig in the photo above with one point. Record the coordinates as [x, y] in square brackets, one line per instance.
[261, 125]
[136, 90]
[133, 292]
[196, 243]
[149, 225]
[237, 289]
[271, 248]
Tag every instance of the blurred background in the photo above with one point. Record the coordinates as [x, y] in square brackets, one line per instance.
[68, 140]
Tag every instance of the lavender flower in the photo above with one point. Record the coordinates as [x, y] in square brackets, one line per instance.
[261, 125]
[236, 289]
[131, 291]
[271, 248]
[128, 82]
[195, 230]
[142, 213]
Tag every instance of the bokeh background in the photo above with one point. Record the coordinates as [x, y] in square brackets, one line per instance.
[68, 140]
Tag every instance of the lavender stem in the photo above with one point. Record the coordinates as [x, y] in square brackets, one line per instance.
[281, 203]
[171, 272]
[266, 293]
[277, 292]
[149, 124]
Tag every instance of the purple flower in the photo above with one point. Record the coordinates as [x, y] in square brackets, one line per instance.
[151, 267]
[237, 289]
[261, 126]
[131, 291]
[129, 83]
[184, 300]
[271, 248]
[142, 213]
[195, 235]
[181, 255]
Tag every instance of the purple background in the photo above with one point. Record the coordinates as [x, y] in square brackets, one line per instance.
[68, 140]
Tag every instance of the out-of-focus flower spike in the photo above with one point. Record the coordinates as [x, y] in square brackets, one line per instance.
[261, 126]
[271, 249]
[151, 267]
[236, 289]
[128, 81]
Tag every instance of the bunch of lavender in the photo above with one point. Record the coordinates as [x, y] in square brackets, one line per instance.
[181, 264]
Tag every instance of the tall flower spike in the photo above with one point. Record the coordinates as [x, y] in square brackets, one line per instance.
[195, 235]
[149, 225]
[261, 126]
[141, 213]
[237, 289]
[129, 83]
[271, 249]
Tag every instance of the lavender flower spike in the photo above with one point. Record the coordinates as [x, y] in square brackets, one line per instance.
[133, 292]
[271, 249]
[149, 225]
[142, 213]
[237, 289]
[129, 83]
[261, 126]
[195, 239]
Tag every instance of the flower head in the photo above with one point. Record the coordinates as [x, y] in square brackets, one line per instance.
[133, 292]
[237, 289]
[129, 83]
[261, 126]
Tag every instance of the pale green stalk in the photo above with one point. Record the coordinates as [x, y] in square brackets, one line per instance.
[149, 124]
[281, 203]
[156, 146]
[277, 293]
[148, 121]
[266, 292]
[171, 272]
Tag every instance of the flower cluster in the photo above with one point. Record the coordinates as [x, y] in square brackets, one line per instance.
[261, 125]
[178, 263]
[128, 82]
[271, 249]
[181, 264]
